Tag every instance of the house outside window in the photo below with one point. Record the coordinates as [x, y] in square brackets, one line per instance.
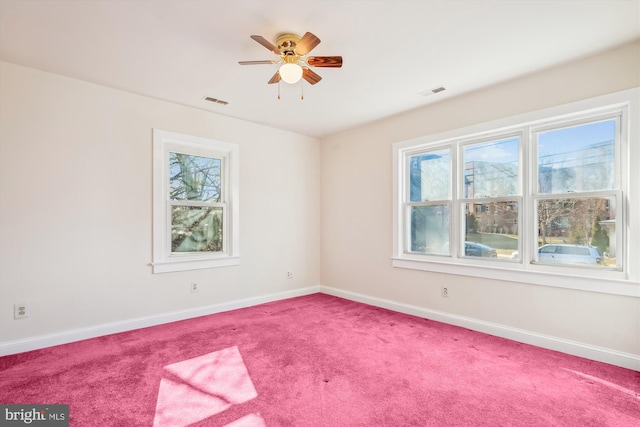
[195, 203]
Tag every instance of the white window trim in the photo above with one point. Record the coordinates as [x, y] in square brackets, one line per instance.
[620, 283]
[163, 260]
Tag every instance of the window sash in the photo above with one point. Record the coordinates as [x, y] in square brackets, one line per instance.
[496, 222]
[618, 115]
[499, 137]
[409, 230]
[224, 185]
[221, 196]
[617, 236]
[225, 233]
[412, 172]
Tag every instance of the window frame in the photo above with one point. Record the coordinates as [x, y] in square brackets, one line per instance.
[624, 282]
[164, 260]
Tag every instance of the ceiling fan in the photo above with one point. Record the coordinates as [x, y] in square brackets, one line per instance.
[293, 51]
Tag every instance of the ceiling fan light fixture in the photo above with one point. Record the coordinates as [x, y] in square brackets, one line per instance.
[291, 73]
[292, 51]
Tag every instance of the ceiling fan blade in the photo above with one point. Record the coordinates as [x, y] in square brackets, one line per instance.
[266, 43]
[268, 61]
[310, 76]
[275, 78]
[306, 44]
[325, 61]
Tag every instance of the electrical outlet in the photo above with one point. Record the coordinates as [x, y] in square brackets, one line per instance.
[194, 288]
[444, 291]
[20, 311]
[289, 274]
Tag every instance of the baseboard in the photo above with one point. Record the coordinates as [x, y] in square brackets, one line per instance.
[600, 354]
[65, 337]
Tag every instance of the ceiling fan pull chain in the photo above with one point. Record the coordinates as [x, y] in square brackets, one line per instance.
[278, 90]
[301, 90]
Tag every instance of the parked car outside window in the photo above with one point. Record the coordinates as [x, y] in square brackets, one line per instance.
[478, 249]
[569, 254]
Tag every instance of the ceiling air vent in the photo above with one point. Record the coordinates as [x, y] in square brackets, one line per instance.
[433, 91]
[216, 100]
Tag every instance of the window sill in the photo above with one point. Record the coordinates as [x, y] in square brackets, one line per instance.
[194, 264]
[544, 278]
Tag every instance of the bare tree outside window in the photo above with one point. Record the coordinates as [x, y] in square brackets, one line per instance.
[194, 178]
[195, 183]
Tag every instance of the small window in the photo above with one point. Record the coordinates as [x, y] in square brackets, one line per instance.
[195, 203]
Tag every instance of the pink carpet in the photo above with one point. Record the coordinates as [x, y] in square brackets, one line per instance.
[318, 360]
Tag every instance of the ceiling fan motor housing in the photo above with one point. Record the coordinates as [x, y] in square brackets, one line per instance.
[287, 44]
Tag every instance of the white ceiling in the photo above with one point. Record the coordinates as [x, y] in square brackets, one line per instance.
[184, 50]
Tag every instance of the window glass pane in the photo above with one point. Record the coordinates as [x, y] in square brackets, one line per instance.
[196, 229]
[194, 178]
[430, 229]
[575, 159]
[491, 169]
[577, 231]
[429, 176]
[491, 230]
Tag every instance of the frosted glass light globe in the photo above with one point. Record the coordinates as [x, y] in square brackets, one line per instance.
[291, 73]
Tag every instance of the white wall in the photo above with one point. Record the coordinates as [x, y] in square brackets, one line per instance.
[356, 202]
[76, 207]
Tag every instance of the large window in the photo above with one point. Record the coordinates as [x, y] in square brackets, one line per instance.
[542, 194]
[195, 202]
